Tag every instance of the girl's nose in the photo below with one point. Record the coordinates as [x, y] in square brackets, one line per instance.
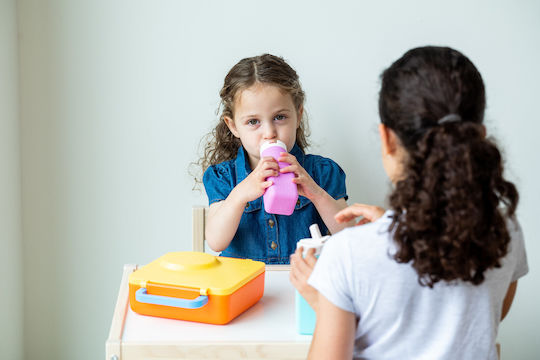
[269, 131]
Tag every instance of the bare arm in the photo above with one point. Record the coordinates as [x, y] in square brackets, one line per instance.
[328, 207]
[508, 299]
[334, 332]
[325, 204]
[222, 221]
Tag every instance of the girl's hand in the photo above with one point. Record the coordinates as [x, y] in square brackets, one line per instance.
[301, 269]
[369, 213]
[306, 185]
[254, 185]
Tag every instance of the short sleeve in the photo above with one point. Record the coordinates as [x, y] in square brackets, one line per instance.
[329, 176]
[330, 276]
[518, 250]
[217, 180]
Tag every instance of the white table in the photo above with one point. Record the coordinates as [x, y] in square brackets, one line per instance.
[265, 331]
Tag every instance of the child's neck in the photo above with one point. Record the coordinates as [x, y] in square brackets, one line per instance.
[253, 162]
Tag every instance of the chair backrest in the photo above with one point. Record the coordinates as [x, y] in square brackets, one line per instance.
[198, 217]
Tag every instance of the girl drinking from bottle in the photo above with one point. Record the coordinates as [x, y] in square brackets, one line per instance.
[262, 100]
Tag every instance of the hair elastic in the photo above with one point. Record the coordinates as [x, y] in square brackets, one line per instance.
[449, 119]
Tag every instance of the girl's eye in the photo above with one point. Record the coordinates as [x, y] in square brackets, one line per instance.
[253, 122]
[280, 117]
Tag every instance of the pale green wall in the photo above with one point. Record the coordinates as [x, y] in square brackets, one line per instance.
[11, 294]
[115, 96]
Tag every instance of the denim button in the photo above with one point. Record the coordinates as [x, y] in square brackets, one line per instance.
[271, 223]
[273, 245]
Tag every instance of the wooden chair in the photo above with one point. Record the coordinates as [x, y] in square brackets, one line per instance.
[198, 217]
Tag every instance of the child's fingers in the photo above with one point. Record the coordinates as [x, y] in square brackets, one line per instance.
[286, 169]
[268, 172]
[301, 178]
[268, 163]
[288, 158]
[293, 168]
[266, 184]
[267, 158]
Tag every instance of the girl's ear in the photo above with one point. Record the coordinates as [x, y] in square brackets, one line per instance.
[299, 118]
[231, 125]
[389, 140]
[386, 143]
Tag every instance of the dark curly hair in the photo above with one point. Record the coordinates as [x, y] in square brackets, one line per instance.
[451, 204]
[220, 144]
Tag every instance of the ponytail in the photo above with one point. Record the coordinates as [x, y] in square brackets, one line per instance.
[447, 219]
[452, 202]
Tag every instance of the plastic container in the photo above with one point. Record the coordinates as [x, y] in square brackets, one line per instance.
[305, 315]
[196, 286]
[280, 198]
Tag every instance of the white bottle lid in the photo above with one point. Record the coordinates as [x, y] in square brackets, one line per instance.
[268, 144]
[315, 242]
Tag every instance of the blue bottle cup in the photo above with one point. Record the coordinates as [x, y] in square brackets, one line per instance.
[305, 315]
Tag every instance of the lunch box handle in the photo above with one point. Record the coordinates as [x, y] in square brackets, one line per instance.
[142, 296]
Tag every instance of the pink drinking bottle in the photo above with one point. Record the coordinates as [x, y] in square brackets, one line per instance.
[280, 198]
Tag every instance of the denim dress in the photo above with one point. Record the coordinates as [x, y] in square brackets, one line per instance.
[268, 237]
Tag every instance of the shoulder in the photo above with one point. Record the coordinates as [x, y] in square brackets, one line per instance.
[224, 170]
[318, 160]
[514, 227]
[219, 180]
[516, 255]
[516, 234]
[327, 173]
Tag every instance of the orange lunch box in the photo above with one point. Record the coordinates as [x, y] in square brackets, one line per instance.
[196, 286]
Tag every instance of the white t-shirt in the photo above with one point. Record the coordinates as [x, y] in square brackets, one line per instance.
[398, 318]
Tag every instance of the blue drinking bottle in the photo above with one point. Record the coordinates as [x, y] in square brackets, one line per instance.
[305, 315]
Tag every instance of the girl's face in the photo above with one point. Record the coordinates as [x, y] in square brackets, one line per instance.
[264, 112]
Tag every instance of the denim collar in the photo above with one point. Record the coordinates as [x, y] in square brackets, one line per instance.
[243, 169]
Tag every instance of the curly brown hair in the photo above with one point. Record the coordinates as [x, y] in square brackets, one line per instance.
[450, 206]
[220, 144]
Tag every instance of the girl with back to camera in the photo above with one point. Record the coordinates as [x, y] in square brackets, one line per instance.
[432, 277]
[262, 100]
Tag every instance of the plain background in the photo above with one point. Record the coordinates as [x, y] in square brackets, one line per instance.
[103, 104]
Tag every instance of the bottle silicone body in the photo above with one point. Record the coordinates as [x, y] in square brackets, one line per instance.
[280, 198]
[305, 315]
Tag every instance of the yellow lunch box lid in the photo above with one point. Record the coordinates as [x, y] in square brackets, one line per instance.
[213, 275]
